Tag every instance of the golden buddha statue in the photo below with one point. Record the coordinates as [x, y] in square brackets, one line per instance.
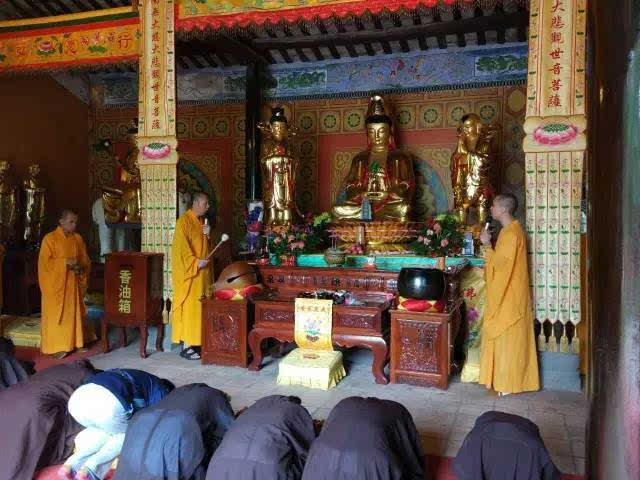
[34, 206]
[279, 168]
[471, 168]
[123, 203]
[381, 176]
[8, 204]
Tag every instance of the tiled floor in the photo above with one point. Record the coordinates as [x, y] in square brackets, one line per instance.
[442, 417]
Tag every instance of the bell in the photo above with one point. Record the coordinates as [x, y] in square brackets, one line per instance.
[236, 275]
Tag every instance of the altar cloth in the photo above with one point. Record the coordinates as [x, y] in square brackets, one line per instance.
[388, 262]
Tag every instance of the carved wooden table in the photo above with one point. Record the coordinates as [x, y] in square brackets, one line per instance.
[225, 324]
[363, 326]
[422, 346]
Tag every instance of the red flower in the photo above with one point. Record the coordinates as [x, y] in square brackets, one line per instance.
[469, 293]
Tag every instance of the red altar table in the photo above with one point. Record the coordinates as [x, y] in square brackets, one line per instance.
[362, 326]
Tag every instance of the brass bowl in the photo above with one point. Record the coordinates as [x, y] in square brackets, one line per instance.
[376, 233]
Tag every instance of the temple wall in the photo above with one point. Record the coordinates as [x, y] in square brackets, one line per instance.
[41, 122]
[211, 139]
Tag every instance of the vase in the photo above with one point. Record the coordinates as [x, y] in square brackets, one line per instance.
[334, 257]
[421, 283]
[274, 259]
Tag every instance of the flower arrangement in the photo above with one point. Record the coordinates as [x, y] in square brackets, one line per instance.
[298, 239]
[440, 237]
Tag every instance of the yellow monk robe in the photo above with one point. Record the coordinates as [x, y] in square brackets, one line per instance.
[189, 282]
[63, 325]
[508, 361]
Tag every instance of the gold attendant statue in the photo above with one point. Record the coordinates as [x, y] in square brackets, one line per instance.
[381, 176]
[123, 203]
[279, 168]
[8, 204]
[34, 196]
[471, 168]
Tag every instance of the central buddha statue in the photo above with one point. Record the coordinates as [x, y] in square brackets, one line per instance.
[380, 182]
[123, 203]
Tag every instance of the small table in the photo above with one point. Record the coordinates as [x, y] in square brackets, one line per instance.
[225, 325]
[362, 326]
[422, 346]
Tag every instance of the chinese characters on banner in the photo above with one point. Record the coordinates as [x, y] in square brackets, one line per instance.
[156, 139]
[124, 291]
[157, 72]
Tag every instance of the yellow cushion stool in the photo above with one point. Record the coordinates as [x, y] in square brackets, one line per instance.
[322, 369]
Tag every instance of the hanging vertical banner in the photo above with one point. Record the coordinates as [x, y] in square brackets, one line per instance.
[554, 146]
[157, 130]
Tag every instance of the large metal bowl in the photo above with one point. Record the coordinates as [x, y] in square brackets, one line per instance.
[421, 283]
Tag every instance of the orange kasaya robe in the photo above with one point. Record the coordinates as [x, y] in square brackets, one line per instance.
[508, 357]
[63, 325]
[189, 282]
[2, 252]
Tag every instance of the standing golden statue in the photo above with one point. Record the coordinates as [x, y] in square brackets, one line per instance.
[279, 167]
[471, 168]
[8, 204]
[34, 205]
[382, 176]
[123, 203]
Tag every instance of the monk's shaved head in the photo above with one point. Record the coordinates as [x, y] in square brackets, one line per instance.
[199, 197]
[508, 201]
[66, 213]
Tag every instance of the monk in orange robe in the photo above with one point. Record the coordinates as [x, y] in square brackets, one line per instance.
[191, 277]
[508, 357]
[63, 270]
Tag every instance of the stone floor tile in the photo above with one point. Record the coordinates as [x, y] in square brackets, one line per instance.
[452, 447]
[564, 464]
[458, 433]
[465, 420]
[561, 448]
[576, 433]
[433, 446]
[554, 433]
[477, 410]
[577, 448]
[579, 463]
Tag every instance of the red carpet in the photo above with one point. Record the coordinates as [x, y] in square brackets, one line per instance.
[439, 468]
[42, 362]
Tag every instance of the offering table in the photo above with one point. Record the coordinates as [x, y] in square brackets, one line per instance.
[364, 325]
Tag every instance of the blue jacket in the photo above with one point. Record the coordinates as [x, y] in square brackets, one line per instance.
[134, 389]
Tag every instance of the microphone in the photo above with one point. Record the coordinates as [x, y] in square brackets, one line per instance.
[488, 224]
[206, 222]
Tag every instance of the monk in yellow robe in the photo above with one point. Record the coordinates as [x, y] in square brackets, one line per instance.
[508, 357]
[63, 270]
[191, 277]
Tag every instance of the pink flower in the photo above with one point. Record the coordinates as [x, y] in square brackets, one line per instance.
[437, 228]
[291, 238]
[444, 242]
[427, 241]
[420, 238]
[429, 232]
[277, 240]
[301, 244]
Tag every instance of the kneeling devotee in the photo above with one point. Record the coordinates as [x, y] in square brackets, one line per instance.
[37, 430]
[63, 270]
[191, 276]
[104, 406]
[269, 440]
[508, 357]
[504, 446]
[175, 438]
[366, 439]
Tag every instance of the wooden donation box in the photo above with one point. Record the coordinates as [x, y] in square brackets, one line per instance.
[133, 295]
[225, 327]
[422, 345]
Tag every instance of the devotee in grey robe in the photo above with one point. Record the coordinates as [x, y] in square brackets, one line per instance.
[268, 441]
[175, 438]
[11, 370]
[504, 446]
[35, 412]
[366, 439]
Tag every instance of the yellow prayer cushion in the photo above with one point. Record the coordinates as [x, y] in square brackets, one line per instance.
[23, 331]
[321, 369]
